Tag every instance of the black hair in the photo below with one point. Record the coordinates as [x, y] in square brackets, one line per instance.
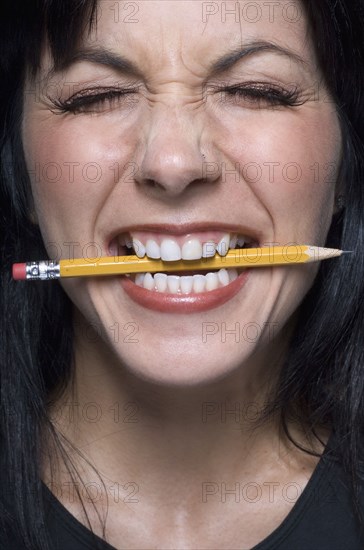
[322, 380]
[36, 320]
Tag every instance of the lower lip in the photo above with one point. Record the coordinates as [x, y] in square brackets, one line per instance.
[183, 303]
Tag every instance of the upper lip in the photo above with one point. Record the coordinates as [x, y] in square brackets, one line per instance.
[187, 228]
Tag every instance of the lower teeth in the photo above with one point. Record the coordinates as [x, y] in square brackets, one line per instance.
[188, 284]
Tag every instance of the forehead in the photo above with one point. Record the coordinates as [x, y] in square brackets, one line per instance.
[170, 32]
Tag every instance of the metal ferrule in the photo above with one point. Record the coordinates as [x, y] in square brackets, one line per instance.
[43, 270]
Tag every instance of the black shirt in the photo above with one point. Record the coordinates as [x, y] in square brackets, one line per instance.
[321, 519]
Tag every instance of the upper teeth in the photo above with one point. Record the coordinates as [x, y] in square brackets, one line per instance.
[192, 248]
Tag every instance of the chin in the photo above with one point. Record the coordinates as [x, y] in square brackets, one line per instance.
[198, 366]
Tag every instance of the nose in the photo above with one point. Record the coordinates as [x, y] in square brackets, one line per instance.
[173, 158]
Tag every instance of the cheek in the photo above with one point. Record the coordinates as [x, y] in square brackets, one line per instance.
[73, 168]
[291, 168]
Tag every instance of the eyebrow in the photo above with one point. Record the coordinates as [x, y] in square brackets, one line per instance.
[102, 56]
[230, 59]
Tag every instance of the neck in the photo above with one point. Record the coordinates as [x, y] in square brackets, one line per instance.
[132, 429]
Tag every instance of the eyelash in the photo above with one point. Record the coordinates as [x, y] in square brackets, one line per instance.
[261, 92]
[89, 101]
[257, 92]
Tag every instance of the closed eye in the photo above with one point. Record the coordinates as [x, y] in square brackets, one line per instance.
[95, 100]
[260, 94]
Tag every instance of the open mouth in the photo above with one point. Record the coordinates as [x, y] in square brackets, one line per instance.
[192, 246]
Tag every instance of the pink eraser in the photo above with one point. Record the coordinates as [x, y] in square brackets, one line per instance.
[19, 272]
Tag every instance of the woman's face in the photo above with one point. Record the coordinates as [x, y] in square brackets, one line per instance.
[225, 129]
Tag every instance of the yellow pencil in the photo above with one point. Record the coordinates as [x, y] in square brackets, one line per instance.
[121, 265]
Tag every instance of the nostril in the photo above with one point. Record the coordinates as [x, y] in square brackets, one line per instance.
[153, 184]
